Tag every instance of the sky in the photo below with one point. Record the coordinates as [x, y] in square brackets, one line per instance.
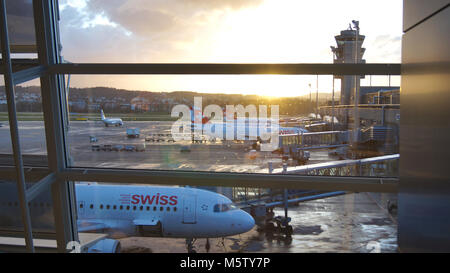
[224, 31]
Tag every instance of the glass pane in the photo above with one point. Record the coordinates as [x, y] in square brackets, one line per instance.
[6, 150]
[151, 218]
[21, 25]
[31, 123]
[207, 31]
[41, 211]
[123, 128]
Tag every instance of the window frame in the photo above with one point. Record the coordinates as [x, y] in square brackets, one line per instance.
[51, 69]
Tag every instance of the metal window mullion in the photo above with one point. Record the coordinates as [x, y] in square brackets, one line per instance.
[14, 129]
[357, 184]
[40, 186]
[32, 174]
[226, 69]
[62, 193]
[29, 74]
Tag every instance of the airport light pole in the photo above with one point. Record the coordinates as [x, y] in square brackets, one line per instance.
[310, 97]
[332, 108]
[356, 98]
[317, 96]
[333, 49]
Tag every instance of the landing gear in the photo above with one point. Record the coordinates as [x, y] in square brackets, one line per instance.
[282, 225]
[207, 245]
[288, 230]
[278, 224]
[190, 245]
[392, 206]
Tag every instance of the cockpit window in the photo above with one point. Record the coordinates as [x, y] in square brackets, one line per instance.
[224, 207]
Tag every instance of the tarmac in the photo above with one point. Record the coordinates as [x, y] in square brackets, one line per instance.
[163, 155]
[352, 223]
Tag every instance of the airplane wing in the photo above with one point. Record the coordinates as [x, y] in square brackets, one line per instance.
[86, 225]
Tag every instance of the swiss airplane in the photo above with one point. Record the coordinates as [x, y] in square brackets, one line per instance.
[110, 121]
[130, 210]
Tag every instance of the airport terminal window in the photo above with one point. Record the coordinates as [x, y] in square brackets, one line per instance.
[137, 130]
[31, 125]
[166, 35]
[41, 211]
[6, 150]
[21, 23]
[121, 123]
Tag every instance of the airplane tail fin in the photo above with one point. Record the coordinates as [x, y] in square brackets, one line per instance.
[102, 114]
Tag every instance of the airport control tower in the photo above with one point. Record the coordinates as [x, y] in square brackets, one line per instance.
[345, 52]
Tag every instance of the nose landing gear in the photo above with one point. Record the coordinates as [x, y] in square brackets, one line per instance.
[190, 245]
[280, 225]
[191, 248]
[207, 245]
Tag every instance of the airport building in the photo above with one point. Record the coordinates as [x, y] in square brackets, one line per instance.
[349, 50]
[367, 174]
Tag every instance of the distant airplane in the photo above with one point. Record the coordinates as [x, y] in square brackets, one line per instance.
[111, 121]
[130, 210]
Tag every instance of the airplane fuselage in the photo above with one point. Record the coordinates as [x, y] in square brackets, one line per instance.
[126, 210]
[110, 121]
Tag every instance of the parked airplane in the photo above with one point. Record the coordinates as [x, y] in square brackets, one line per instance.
[130, 210]
[249, 129]
[110, 121]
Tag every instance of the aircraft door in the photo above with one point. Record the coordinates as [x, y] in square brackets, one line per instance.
[189, 206]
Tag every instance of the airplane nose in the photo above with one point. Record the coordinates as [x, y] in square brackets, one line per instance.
[247, 222]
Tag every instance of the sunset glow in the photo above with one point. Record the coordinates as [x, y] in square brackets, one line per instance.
[237, 31]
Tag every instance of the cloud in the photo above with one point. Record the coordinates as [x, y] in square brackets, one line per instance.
[219, 4]
[164, 28]
[195, 31]
[144, 17]
[384, 48]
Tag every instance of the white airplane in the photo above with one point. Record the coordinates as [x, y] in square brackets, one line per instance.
[250, 129]
[110, 121]
[129, 210]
